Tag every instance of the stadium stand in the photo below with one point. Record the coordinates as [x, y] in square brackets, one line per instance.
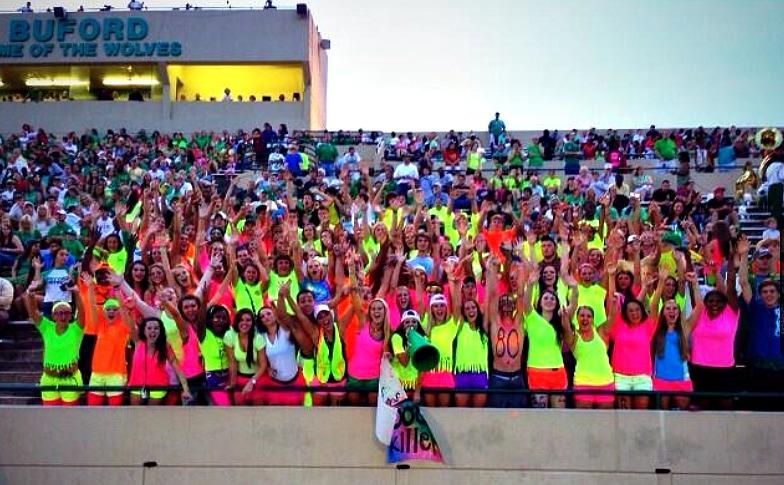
[268, 268]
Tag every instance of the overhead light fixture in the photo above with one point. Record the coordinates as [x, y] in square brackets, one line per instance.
[43, 82]
[130, 81]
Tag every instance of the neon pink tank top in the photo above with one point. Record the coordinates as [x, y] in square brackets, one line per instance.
[365, 361]
[145, 369]
[713, 341]
[632, 347]
[191, 355]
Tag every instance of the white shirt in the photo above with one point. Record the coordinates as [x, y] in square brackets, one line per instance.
[775, 173]
[282, 356]
[406, 171]
[105, 226]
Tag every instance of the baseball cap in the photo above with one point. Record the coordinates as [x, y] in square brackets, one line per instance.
[437, 298]
[761, 253]
[323, 308]
[410, 314]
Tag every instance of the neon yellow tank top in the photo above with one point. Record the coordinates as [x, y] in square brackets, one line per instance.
[471, 350]
[593, 364]
[442, 336]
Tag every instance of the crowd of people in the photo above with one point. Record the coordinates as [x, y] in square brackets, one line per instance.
[145, 261]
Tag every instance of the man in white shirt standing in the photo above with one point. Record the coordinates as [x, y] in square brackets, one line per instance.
[350, 160]
[406, 174]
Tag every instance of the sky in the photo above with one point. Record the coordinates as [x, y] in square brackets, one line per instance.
[451, 64]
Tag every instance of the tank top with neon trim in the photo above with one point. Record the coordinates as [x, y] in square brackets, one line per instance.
[470, 350]
[593, 364]
[442, 336]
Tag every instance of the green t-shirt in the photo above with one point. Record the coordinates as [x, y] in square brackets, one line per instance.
[75, 247]
[534, 155]
[551, 182]
[215, 358]
[26, 237]
[59, 230]
[60, 351]
[326, 152]
[274, 286]
[544, 350]
[571, 160]
[232, 340]
[666, 148]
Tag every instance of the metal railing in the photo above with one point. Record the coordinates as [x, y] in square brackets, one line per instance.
[775, 399]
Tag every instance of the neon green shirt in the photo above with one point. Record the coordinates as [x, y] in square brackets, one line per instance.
[215, 358]
[248, 296]
[232, 340]
[471, 350]
[544, 350]
[592, 296]
[407, 374]
[593, 364]
[173, 337]
[442, 336]
[60, 350]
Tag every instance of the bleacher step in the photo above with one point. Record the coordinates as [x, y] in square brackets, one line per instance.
[20, 376]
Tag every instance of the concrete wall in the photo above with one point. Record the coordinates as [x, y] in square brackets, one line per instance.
[206, 36]
[63, 117]
[295, 445]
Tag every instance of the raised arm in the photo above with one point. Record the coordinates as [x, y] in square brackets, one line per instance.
[611, 303]
[743, 270]
[525, 302]
[653, 308]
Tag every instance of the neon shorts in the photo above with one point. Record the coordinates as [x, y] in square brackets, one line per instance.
[151, 394]
[282, 398]
[471, 380]
[640, 382]
[664, 385]
[443, 379]
[595, 398]
[98, 379]
[74, 379]
[547, 379]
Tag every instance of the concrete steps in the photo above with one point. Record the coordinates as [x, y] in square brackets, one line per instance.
[21, 356]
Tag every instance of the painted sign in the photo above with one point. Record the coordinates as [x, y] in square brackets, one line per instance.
[85, 37]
